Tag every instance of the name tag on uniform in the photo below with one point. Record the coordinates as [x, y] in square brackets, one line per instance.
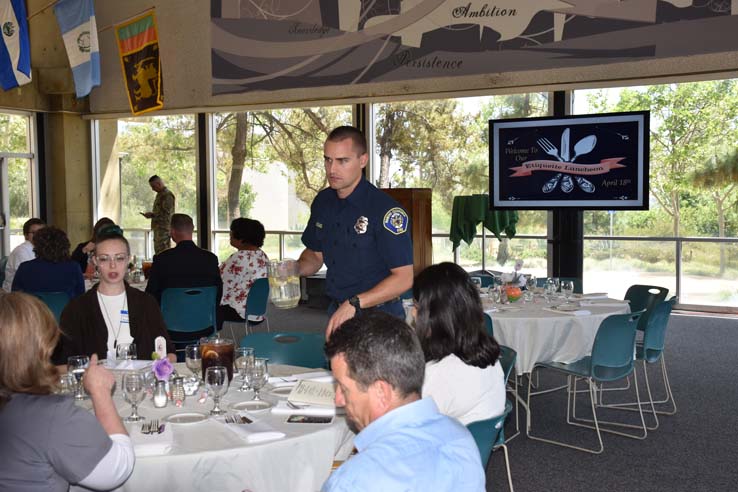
[123, 316]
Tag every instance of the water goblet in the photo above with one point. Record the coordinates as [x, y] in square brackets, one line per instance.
[193, 360]
[67, 384]
[530, 286]
[243, 362]
[216, 380]
[134, 390]
[126, 351]
[549, 289]
[259, 376]
[76, 366]
[557, 283]
[567, 287]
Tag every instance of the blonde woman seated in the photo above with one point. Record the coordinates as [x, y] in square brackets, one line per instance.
[48, 442]
[112, 312]
[462, 372]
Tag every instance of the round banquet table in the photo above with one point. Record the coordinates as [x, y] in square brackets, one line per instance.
[206, 456]
[539, 335]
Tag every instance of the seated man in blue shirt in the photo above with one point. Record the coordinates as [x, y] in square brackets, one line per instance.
[403, 442]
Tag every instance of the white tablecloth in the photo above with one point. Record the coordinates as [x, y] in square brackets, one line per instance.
[206, 456]
[538, 335]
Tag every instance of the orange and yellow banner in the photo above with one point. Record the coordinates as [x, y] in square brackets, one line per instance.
[138, 45]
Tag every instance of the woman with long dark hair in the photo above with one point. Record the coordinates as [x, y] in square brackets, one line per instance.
[462, 372]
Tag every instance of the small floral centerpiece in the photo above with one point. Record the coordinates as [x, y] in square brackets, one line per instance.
[513, 281]
[162, 369]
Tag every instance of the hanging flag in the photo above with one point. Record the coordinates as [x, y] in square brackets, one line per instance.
[77, 23]
[138, 45]
[15, 52]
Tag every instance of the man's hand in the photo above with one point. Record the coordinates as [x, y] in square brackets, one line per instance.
[148, 215]
[344, 312]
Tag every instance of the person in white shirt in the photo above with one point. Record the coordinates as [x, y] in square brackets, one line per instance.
[462, 373]
[22, 252]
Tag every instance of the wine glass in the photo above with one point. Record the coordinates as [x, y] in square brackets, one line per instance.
[244, 361]
[567, 287]
[126, 351]
[557, 283]
[67, 384]
[193, 360]
[530, 286]
[76, 366]
[549, 289]
[259, 376]
[134, 390]
[216, 380]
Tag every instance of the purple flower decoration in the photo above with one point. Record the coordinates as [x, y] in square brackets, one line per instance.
[162, 369]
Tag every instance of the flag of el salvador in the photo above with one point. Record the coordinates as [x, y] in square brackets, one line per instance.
[77, 23]
[15, 52]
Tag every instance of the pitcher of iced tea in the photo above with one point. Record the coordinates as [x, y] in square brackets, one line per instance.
[284, 283]
[216, 351]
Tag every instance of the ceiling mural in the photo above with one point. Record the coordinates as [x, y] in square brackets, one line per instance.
[283, 44]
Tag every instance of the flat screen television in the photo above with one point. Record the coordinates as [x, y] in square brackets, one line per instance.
[589, 162]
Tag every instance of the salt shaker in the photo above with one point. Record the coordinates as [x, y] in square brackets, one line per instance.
[160, 394]
[178, 391]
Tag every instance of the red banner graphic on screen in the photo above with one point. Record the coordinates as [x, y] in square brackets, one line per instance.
[529, 167]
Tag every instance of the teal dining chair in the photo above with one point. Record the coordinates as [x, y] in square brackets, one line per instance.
[56, 302]
[256, 301]
[612, 358]
[189, 313]
[291, 348]
[490, 435]
[507, 359]
[644, 297]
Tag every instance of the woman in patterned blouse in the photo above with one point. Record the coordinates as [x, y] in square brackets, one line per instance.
[242, 268]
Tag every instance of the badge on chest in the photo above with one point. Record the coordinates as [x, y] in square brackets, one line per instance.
[362, 223]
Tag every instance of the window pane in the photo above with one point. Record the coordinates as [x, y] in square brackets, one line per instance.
[20, 196]
[612, 266]
[14, 133]
[270, 165]
[161, 145]
[443, 145]
[709, 273]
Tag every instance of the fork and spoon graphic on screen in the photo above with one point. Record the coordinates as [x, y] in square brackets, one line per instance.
[583, 146]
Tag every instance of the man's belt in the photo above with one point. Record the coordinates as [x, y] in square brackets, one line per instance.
[394, 299]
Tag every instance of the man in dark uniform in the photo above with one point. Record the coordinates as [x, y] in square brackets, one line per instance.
[359, 232]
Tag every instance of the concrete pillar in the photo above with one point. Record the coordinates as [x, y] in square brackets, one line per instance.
[69, 174]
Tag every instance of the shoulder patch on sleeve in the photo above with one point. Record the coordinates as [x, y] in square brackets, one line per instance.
[395, 221]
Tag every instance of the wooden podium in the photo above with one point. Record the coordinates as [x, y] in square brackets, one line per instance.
[417, 203]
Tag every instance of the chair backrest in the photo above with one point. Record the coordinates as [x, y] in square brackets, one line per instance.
[189, 309]
[56, 301]
[614, 346]
[489, 433]
[488, 325]
[507, 360]
[655, 332]
[3, 262]
[256, 302]
[295, 349]
[645, 297]
[487, 278]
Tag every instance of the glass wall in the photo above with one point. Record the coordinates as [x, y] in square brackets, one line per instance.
[17, 151]
[269, 167]
[687, 240]
[443, 145]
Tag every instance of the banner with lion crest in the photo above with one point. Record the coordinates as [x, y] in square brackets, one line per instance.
[138, 45]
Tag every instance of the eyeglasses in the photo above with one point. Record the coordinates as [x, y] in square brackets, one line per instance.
[115, 259]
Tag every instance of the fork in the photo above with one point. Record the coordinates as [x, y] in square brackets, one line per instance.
[548, 147]
[150, 427]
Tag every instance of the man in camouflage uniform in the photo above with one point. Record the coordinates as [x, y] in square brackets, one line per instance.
[161, 215]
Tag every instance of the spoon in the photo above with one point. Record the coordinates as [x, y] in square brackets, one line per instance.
[584, 146]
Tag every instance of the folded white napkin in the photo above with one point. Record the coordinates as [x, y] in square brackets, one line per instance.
[598, 295]
[254, 432]
[281, 408]
[603, 302]
[128, 365]
[151, 444]
[320, 376]
[578, 312]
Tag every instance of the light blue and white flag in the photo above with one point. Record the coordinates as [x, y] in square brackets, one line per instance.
[77, 23]
[15, 52]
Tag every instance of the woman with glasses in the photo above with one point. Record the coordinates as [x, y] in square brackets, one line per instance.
[47, 441]
[462, 371]
[112, 312]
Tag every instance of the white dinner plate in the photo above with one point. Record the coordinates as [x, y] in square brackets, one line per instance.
[567, 307]
[251, 406]
[283, 391]
[186, 418]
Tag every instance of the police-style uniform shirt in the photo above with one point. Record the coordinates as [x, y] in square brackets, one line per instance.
[361, 237]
